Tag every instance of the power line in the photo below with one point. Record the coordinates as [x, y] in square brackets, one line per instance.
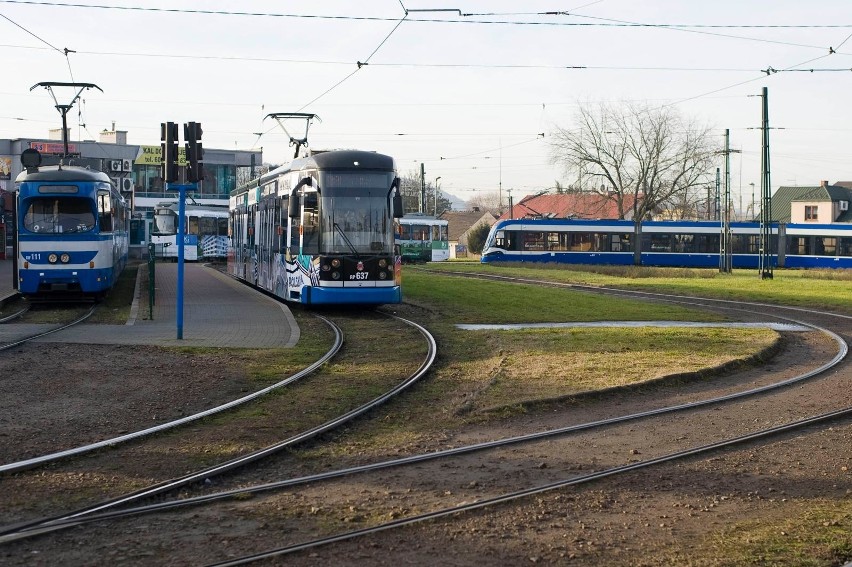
[44, 41]
[419, 65]
[603, 22]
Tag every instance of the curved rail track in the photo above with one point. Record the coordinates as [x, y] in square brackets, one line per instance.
[76, 451]
[39, 334]
[102, 513]
[16, 315]
[36, 527]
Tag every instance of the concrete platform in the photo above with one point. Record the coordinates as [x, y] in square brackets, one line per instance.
[218, 312]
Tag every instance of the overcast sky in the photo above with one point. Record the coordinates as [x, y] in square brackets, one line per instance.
[468, 95]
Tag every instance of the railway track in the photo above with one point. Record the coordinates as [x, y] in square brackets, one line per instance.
[31, 335]
[77, 517]
[55, 457]
[15, 315]
[708, 406]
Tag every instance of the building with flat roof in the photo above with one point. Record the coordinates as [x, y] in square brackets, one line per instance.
[134, 168]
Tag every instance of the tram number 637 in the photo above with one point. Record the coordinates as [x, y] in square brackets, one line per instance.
[360, 276]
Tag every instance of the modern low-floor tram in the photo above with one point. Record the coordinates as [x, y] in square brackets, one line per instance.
[320, 230]
[668, 243]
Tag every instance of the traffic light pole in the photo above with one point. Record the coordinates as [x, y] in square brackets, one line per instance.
[194, 173]
[181, 238]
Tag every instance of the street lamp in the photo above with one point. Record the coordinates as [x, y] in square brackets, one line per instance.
[436, 195]
[753, 213]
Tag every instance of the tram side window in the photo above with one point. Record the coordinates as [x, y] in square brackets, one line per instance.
[208, 226]
[507, 240]
[557, 242]
[580, 241]
[251, 214]
[684, 243]
[105, 211]
[420, 232]
[657, 242]
[436, 232]
[533, 240]
[825, 245]
[749, 244]
[620, 243]
[445, 235]
[275, 233]
[310, 225]
[845, 247]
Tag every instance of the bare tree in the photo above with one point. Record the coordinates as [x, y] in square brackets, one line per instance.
[485, 202]
[410, 188]
[643, 158]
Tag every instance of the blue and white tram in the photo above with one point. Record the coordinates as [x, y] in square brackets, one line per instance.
[320, 230]
[666, 243]
[817, 246]
[205, 226]
[72, 231]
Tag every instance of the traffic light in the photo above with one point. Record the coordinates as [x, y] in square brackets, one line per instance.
[194, 152]
[169, 147]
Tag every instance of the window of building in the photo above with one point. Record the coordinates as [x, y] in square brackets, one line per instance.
[811, 212]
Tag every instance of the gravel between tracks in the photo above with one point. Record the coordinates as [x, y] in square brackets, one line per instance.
[671, 514]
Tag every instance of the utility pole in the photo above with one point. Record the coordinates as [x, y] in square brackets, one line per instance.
[766, 198]
[753, 209]
[716, 199]
[725, 240]
[422, 188]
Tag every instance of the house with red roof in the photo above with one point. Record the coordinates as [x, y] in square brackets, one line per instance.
[459, 225]
[569, 205]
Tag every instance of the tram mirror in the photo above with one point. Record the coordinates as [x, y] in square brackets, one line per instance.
[397, 199]
[397, 206]
[295, 205]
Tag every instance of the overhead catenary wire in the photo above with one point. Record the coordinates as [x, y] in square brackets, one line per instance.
[466, 19]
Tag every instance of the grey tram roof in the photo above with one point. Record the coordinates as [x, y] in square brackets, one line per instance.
[62, 173]
[327, 160]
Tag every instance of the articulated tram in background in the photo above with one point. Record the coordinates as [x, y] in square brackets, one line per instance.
[320, 230]
[205, 231]
[72, 231]
[667, 243]
[423, 238]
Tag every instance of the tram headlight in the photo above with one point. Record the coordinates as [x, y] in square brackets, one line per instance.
[383, 263]
[335, 275]
[52, 258]
[325, 267]
[335, 263]
[65, 258]
[383, 275]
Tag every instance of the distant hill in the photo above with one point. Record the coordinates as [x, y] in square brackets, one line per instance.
[456, 204]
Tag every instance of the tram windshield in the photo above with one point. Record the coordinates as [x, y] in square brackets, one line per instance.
[354, 214]
[50, 214]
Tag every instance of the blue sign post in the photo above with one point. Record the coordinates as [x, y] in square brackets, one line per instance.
[181, 238]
